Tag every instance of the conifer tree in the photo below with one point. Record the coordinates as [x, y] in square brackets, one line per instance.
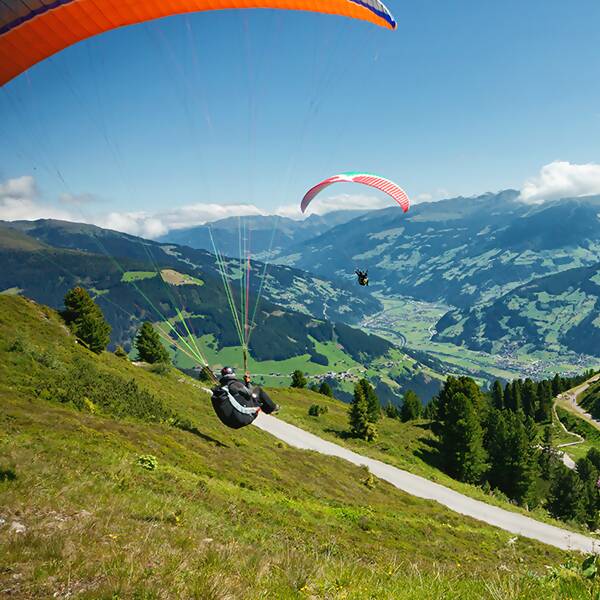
[523, 462]
[544, 402]
[150, 348]
[589, 474]
[496, 444]
[497, 395]
[452, 386]
[508, 399]
[549, 455]
[85, 319]
[373, 404]
[566, 495]
[358, 415]
[529, 398]
[593, 455]
[391, 411]
[511, 445]
[462, 440]
[411, 407]
[556, 385]
[298, 379]
[515, 397]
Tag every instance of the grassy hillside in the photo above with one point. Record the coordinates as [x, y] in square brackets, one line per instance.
[97, 503]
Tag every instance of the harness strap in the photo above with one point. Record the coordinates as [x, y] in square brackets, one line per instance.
[245, 410]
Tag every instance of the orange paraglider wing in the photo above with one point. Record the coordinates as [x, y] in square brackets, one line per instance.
[32, 30]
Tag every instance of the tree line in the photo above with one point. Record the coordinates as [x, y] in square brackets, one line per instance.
[503, 441]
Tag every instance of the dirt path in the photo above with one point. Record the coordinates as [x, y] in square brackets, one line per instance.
[569, 398]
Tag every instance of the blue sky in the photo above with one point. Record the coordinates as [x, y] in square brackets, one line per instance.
[256, 106]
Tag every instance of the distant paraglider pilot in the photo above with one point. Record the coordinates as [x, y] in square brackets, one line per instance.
[363, 277]
[237, 404]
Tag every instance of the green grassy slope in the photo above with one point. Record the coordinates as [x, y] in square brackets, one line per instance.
[224, 514]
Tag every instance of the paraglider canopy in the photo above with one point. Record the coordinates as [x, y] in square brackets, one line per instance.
[375, 181]
[32, 30]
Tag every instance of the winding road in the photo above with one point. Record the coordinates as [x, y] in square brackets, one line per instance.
[423, 488]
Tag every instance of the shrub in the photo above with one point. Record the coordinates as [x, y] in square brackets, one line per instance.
[7, 473]
[161, 368]
[317, 410]
[147, 461]
[120, 352]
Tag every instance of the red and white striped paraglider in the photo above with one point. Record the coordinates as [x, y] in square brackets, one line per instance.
[375, 181]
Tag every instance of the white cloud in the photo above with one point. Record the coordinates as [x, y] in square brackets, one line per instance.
[562, 179]
[19, 199]
[155, 225]
[77, 199]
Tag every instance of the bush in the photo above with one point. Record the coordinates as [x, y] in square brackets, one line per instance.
[148, 462]
[120, 352]
[317, 410]
[7, 473]
[161, 368]
[82, 383]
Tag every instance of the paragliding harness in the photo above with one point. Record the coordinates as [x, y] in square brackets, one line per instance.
[363, 277]
[234, 411]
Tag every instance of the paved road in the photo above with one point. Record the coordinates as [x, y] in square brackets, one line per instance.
[423, 488]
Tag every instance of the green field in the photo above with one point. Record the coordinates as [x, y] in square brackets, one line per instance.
[98, 503]
[130, 276]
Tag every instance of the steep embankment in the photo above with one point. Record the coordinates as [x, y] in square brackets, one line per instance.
[138, 491]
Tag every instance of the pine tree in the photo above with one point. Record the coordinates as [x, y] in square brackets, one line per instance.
[549, 457]
[452, 386]
[514, 401]
[391, 411]
[511, 445]
[149, 346]
[430, 410]
[508, 399]
[85, 319]
[588, 474]
[497, 395]
[298, 379]
[325, 389]
[496, 444]
[462, 440]
[358, 415]
[593, 455]
[566, 495]
[411, 407]
[522, 460]
[529, 398]
[556, 385]
[372, 400]
[544, 402]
